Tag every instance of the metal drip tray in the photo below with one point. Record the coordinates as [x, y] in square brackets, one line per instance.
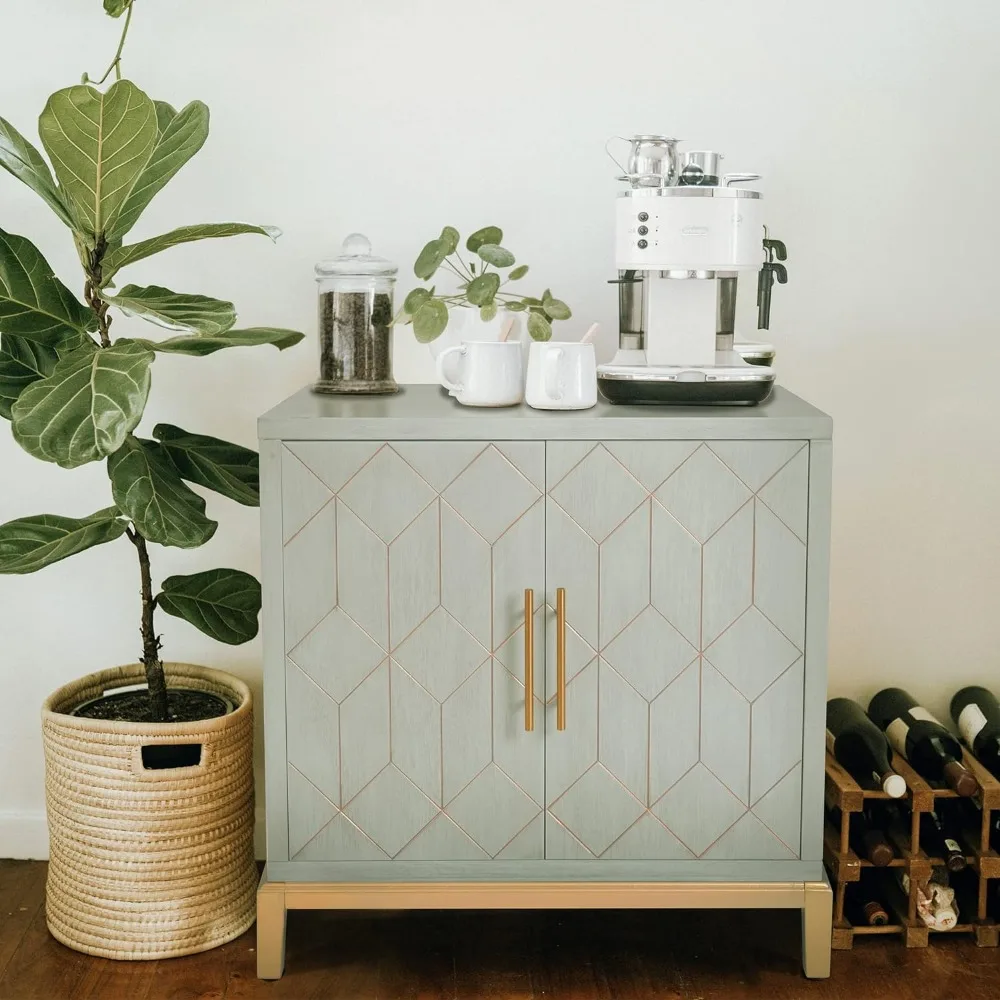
[712, 384]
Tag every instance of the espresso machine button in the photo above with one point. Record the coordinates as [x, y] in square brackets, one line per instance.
[643, 230]
[644, 216]
[643, 244]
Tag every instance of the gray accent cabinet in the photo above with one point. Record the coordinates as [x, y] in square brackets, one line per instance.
[400, 536]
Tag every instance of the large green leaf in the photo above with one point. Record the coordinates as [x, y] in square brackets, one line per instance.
[85, 409]
[99, 144]
[21, 363]
[20, 158]
[34, 303]
[227, 468]
[32, 543]
[123, 256]
[176, 311]
[222, 603]
[181, 135]
[198, 346]
[481, 290]
[150, 491]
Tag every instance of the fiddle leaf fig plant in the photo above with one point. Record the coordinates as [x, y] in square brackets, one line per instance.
[479, 286]
[74, 394]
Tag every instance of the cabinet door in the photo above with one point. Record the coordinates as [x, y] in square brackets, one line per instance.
[405, 565]
[684, 569]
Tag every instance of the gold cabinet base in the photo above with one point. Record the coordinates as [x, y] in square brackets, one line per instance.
[274, 899]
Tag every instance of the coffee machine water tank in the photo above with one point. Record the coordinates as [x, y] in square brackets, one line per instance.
[689, 228]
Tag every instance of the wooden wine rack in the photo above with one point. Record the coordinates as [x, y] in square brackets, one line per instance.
[846, 795]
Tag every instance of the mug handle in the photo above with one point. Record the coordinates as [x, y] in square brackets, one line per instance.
[553, 358]
[453, 387]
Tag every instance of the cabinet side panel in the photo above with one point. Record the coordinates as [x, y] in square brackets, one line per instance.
[817, 617]
[273, 636]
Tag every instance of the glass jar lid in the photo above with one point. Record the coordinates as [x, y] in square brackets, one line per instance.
[356, 258]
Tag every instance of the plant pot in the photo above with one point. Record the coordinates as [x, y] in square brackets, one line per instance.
[144, 862]
[464, 324]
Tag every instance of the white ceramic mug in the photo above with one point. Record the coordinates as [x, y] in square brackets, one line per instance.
[489, 373]
[561, 376]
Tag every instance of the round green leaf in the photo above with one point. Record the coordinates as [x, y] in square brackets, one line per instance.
[482, 290]
[430, 320]
[116, 7]
[449, 239]
[415, 300]
[539, 327]
[430, 259]
[488, 312]
[495, 255]
[556, 309]
[515, 306]
[488, 234]
[519, 272]
[85, 409]
[222, 603]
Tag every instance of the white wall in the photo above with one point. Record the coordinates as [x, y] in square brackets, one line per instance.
[875, 125]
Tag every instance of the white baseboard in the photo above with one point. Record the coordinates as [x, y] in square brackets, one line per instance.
[26, 835]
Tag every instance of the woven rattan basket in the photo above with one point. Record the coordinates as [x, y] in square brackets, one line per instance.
[149, 863]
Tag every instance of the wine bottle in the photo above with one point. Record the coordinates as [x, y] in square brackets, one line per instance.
[939, 839]
[865, 910]
[860, 746]
[976, 712]
[915, 733]
[874, 913]
[870, 840]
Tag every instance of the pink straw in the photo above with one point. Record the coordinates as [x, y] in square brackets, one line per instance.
[589, 335]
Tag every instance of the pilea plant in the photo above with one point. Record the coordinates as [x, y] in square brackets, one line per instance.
[479, 286]
[74, 394]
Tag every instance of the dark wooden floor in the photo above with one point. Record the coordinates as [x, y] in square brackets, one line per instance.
[578, 956]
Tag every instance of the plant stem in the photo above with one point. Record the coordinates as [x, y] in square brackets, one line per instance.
[116, 63]
[91, 289]
[456, 270]
[150, 640]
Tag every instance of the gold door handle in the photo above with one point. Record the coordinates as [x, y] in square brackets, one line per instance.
[561, 658]
[529, 660]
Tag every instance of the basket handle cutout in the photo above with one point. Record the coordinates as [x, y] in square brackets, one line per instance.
[168, 756]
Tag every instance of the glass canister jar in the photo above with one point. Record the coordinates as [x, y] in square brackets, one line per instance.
[355, 320]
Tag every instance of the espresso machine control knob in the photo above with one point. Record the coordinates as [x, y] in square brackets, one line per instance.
[643, 244]
[644, 216]
[643, 230]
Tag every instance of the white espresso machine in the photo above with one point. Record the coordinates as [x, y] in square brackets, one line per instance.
[683, 236]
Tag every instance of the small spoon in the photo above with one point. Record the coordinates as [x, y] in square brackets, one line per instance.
[590, 334]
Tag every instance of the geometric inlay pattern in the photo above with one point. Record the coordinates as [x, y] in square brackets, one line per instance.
[406, 736]
[684, 564]
[693, 603]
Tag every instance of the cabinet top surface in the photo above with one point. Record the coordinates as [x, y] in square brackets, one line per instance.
[427, 412]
